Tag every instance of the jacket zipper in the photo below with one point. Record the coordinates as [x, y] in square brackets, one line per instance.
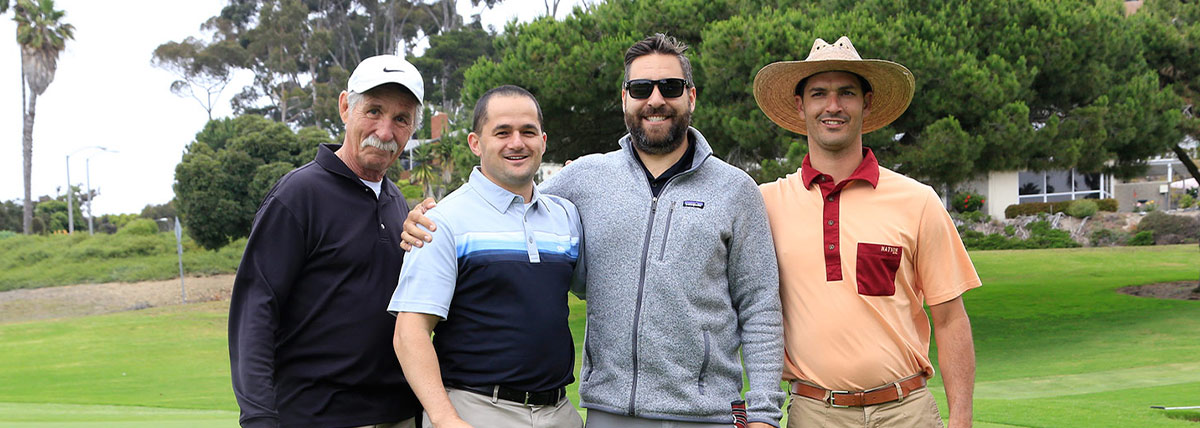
[637, 311]
[667, 233]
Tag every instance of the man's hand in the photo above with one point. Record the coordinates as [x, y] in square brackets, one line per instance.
[414, 236]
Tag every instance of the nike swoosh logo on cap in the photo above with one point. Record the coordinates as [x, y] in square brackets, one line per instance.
[386, 70]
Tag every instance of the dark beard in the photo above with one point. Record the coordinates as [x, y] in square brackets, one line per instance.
[675, 135]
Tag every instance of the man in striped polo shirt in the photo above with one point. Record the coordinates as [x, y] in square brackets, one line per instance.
[493, 285]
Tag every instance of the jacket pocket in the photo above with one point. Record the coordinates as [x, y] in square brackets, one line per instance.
[704, 363]
[666, 233]
[875, 268]
[588, 362]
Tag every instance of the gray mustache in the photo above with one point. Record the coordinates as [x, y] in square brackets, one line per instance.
[387, 146]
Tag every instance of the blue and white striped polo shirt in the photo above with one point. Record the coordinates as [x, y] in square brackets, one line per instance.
[497, 273]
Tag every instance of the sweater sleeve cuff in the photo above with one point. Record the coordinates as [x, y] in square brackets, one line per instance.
[261, 422]
[765, 421]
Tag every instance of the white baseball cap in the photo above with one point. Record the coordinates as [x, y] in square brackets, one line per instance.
[382, 69]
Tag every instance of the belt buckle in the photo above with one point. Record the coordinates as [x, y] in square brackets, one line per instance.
[830, 400]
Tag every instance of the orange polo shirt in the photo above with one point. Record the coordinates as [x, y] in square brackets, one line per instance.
[856, 261]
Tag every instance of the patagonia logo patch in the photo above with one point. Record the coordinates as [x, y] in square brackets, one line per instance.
[693, 204]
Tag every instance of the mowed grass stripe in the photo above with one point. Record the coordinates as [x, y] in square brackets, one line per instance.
[172, 357]
[58, 413]
[1086, 383]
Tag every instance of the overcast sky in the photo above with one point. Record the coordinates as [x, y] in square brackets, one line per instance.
[107, 94]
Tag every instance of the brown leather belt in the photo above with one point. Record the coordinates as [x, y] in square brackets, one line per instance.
[883, 394]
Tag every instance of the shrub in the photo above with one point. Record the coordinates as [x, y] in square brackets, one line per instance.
[1010, 230]
[1031, 208]
[1186, 201]
[1106, 204]
[139, 227]
[1108, 237]
[1041, 235]
[967, 202]
[1170, 229]
[972, 217]
[1145, 237]
[1082, 208]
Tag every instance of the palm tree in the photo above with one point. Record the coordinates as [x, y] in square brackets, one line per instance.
[42, 36]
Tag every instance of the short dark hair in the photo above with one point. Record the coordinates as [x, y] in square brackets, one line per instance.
[663, 44]
[481, 106]
[862, 81]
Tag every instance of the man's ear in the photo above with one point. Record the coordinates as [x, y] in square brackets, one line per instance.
[691, 98]
[473, 143]
[344, 106]
[867, 99]
[800, 104]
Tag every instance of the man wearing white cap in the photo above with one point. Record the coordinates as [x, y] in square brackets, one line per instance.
[309, 341]
[861, 249]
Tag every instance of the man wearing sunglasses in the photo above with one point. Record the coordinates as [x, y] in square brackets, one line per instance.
[681, 267]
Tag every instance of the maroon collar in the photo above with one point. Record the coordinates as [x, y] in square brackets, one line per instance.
[867, 171]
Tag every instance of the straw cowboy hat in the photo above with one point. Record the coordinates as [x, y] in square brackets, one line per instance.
[891, 83]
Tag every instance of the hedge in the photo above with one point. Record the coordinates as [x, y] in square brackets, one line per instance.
[1032, 208]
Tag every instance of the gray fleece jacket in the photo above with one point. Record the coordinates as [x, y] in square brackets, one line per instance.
[675, 286]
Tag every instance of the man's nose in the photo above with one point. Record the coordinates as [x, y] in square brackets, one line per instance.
[384, 134]
[834, 105]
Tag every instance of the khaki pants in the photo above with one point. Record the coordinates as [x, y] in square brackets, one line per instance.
[481, 412]
[919, 409]
[407, 423]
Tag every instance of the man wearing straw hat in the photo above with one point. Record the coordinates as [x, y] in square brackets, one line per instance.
[861, 249]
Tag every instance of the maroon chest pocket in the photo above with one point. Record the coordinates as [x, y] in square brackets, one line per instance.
[875, 268]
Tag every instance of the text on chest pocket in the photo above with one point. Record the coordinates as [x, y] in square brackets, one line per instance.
[875, 268]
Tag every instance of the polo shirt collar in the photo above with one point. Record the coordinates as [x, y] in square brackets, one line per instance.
[868, 170]
[496, 196]
[328, 159]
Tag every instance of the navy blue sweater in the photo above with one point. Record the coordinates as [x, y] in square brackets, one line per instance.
[309, 334]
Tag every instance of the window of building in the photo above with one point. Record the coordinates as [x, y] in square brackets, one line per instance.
[1056, 186]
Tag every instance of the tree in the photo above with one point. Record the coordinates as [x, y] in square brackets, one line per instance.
[447, 59]
[1170, 30]
[1001, 85]
[42, 36]
[203, 71]
[300, 51]
[227, 171]
[574, 67]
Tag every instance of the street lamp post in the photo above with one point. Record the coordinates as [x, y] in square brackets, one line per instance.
[71, 194]
[88, 173]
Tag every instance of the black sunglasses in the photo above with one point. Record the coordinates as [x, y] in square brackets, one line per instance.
[669, 88]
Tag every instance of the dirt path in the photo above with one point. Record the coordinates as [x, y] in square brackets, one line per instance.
[92, 299]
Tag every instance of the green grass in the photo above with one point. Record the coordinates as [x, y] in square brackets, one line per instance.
[41, 261]
[1056, 346]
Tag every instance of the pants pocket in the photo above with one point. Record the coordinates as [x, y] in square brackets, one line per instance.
[875, 268]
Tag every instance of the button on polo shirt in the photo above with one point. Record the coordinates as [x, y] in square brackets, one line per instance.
[867, 173]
